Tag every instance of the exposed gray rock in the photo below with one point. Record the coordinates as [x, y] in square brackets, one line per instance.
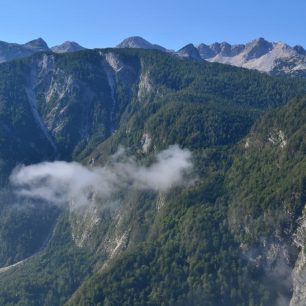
[274, 256]
[272, 57]
[189, 51]
[275, 58]
[299, 281]
[257, 48]
[299, 271]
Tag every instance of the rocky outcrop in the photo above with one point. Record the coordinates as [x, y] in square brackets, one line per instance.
[274, 257]
[299, 271]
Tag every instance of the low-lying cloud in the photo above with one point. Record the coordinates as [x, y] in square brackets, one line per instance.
[61, 182]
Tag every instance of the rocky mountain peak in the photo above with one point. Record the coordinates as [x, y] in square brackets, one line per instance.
[226, 48]
[257, 48]
[67, 46]
[205, 51]
[190, 51]
[138, 42]
[37, 44]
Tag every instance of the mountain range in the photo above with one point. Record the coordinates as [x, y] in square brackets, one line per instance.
[276, 58]
[11, 51]
[136, 175]
[273, 57]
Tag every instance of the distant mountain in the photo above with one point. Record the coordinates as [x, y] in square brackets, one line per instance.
[189, 51]
[37, 45]
[139, 42]
[67, 46]
[259, 54]
[272, 57]
[11, 51]
[276, 58]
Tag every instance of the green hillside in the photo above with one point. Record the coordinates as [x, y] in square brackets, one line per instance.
[208, 242]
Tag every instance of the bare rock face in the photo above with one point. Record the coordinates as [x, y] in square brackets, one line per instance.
[274, 257]
[272, 57]
[299, 281]
[257, 48]
[299, 271]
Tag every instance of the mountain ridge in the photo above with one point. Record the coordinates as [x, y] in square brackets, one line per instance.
[12, 51]
[67, 46]
[276, 58]
[272, 57]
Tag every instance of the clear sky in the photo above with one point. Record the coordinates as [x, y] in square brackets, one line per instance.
[171, 23]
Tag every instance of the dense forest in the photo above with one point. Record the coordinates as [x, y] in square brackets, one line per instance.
[206, 242]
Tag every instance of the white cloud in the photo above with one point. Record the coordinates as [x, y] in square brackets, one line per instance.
[61, 182]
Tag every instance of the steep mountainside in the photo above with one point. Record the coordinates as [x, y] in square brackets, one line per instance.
[269, 195]
[228, 239]
[221, 237]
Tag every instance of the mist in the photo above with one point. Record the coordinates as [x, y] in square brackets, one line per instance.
[63, 183]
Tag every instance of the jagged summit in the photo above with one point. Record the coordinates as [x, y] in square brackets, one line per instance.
[259, 54]
[139, 42]
[257, 48]
[271, 57]
[223, 48]
[189, 51]
[67, 46]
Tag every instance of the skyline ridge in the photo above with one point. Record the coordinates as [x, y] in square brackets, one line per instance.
[196, 44]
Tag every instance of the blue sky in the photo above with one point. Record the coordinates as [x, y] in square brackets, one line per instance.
[173, 24]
